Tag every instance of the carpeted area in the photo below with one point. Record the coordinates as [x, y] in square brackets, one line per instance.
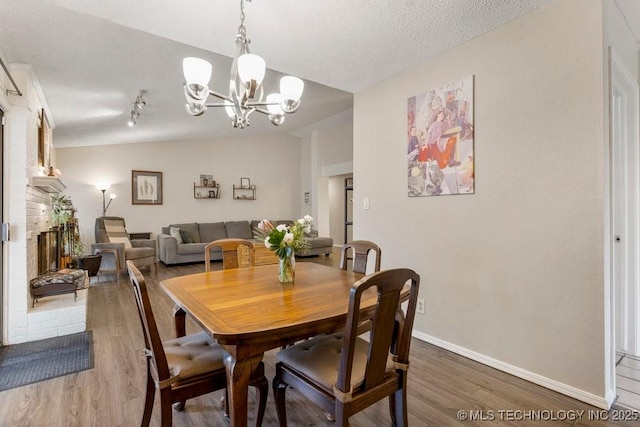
[31, 362]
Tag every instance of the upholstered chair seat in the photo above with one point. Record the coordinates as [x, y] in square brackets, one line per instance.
[193, 355]
[319, 358]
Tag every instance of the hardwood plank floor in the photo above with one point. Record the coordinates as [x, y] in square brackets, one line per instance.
[441, 383]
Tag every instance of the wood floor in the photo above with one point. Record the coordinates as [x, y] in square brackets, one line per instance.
[440, 383]
[628, 381]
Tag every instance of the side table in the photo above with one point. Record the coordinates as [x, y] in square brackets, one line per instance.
[116, 259]
[140, 235]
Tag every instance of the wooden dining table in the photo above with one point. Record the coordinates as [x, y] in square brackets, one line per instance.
[248, 311]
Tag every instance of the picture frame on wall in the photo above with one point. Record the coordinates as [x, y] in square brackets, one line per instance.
[146, 188]
[245, 183]
[43, 141]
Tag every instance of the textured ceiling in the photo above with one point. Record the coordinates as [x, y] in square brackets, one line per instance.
[92, 56]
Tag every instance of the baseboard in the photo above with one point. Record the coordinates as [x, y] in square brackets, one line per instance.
[567, 390]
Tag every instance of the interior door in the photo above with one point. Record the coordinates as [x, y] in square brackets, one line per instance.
[624, 215]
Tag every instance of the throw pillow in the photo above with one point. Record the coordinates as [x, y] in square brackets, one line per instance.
[175, 233]
[186, 236]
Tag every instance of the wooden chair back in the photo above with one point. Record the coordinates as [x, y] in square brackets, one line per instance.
[360, 250]
[157, 360]
[229, 249]
[390, 331]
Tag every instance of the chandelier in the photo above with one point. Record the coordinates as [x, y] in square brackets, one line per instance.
[245, 86]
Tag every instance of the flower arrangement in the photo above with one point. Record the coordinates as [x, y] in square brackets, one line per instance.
[284, 239]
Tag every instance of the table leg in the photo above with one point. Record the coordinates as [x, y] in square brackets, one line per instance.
[239, 372]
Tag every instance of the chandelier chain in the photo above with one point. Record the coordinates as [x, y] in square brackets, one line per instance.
[241, 29]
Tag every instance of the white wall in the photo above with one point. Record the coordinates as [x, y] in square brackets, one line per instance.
[512, 275]
[272, 164]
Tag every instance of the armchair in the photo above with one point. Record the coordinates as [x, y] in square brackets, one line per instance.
[111, 233]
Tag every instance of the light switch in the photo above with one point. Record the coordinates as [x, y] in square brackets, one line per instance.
[365, 203]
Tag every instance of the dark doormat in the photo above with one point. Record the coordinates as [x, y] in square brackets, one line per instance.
[31, 362]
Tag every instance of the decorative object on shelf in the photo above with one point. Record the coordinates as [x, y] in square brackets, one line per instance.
[136, 108]
[146, 188]
[245, 191]
[245, 86]
[209, 191]
[104, 187]
[284, 240]
[207, 181]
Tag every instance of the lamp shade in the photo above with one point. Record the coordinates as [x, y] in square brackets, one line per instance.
[273, 103]
[291, 88]
[251, 67]
[196, 71]
[103, 186]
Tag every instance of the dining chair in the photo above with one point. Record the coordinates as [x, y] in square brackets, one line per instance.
[360, 249]
[229, 249]
[343, 373]
[185, 367]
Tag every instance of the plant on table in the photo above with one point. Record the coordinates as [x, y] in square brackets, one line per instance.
[284, 240]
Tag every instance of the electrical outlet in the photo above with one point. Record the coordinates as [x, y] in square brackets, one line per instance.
[420, 308]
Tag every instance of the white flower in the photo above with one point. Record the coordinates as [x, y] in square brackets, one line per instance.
[281, 227]
[288, 238]
[302, 222]
[307, 229]
[261, 225]
[308, 218]
[266, 242]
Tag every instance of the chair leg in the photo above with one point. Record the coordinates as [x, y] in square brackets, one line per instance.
[225, 402]
[166, 415]
[341, 418]
[279, 389]
[149, 397]
[400, 400]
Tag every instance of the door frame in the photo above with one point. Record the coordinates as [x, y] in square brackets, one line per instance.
[622, 207]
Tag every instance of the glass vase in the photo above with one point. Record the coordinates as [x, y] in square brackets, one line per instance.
[287, 270]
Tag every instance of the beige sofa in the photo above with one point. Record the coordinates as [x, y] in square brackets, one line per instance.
[170, 252]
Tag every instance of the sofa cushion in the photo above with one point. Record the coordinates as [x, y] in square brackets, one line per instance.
[186, 236]
[238, 229]
[191, 248]
[320, 242]
[191, 228]
[175, 233]
[212, 231]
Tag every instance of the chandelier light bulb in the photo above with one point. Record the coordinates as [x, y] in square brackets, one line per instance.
[112, 196]
[196, 71]
[291, 88]
[251, 67]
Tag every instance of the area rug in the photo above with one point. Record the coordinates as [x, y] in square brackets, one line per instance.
[31, 362]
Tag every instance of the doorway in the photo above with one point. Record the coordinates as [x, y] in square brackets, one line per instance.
[624, 230]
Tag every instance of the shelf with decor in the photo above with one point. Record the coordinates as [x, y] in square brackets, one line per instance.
[244, 191]
[206, 191]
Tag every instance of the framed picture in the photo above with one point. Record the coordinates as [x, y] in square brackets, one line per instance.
[440, 140]
[146, 188]
[43, 141]
[245, 183]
